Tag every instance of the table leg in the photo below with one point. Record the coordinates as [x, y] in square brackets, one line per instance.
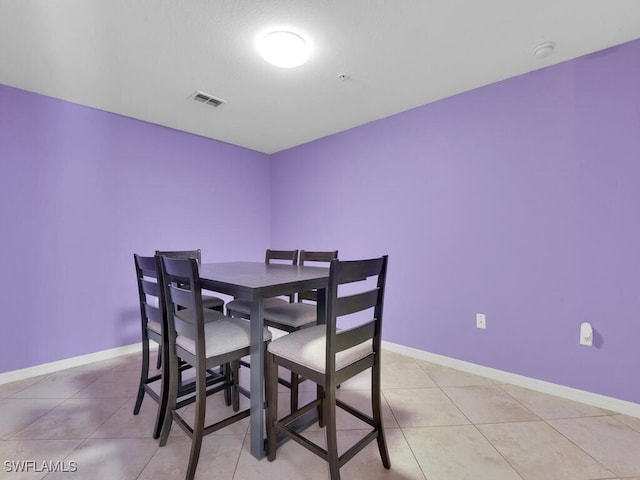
[257, 379]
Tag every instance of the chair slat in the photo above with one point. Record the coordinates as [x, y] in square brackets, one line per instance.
[355, 270]
[181, 254]
[150, 288]
[289, 255]
[177, 270]
[147, 266]
[153, 313]
[355, 336]
[181, 297]
[356, 303]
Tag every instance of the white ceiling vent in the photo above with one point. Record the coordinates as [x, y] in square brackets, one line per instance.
[207, 99]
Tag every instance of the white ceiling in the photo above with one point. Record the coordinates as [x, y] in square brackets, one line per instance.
[145, 58]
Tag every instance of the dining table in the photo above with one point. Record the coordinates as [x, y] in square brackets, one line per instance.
[256, 281]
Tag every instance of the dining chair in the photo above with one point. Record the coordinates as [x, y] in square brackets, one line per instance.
[290, 317]
[203, 346]
[329, 356]
[153, 318]
[241, 308]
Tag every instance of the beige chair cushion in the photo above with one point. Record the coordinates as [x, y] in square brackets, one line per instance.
[294, 315]
[185, 316]
[307, 347]
[189, 315]
[211, 302]
[222, 336]
[244, 306]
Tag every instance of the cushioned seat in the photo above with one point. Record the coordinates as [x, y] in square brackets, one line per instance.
[292, 315]
[213, 303]
[308, 348]
[221, 337]
[188, 316]
[242, 308]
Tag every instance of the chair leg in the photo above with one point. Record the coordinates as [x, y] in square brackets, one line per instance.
[294, 382]
[159, 359]
[144, 375]
[226, 371]
[271, 383]
[164, 392]
[377, 414]
[234, 390]
[172, 396]
[320, 395]
[331, 434]
[198, 423]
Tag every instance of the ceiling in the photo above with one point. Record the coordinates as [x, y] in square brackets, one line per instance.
[145, 58]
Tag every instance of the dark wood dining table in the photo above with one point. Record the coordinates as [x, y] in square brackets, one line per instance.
[255, 281]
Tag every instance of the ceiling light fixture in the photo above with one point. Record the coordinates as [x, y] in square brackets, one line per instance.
[544, 50]
[284, 49]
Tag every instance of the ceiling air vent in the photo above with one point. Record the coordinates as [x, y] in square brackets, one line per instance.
[207, 99]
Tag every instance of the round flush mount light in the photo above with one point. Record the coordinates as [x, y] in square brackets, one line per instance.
[544, 50]
[284, 49]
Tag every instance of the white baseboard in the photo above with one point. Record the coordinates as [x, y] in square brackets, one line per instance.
[589, 398]
[52, 367]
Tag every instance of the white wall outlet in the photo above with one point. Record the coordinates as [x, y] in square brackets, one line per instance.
[481, 320]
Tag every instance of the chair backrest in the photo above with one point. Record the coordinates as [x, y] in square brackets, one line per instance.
[288, 256]
[282, 256]
[314, 257]
[150, 292]
[358, 296]
[183, 306]
[183, 254]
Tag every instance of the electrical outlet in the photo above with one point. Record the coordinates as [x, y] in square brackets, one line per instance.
[481, 320]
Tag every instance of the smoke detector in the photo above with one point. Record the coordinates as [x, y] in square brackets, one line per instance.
[544, 49]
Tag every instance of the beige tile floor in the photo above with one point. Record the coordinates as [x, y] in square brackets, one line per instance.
[441, 424]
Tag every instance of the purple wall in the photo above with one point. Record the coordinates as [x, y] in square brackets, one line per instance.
[81, 190]
[518, 200]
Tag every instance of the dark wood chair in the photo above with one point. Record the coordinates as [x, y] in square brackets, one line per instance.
[202, 346]
[328, 356]
[153, 316]
[290, 317]
[242, 308]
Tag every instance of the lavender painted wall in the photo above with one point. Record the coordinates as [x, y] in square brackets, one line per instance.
[81, 190]
[518, 200]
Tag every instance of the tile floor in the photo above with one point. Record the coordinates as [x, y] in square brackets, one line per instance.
[441, 424]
